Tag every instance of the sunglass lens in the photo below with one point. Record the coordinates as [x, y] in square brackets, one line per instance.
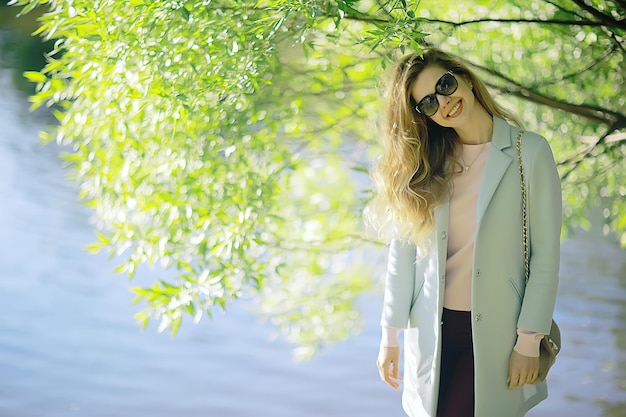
[429, 105]
[447, 85]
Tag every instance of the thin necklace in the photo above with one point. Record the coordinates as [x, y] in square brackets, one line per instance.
[468, 166]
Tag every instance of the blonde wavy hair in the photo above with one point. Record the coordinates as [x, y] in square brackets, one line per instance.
[413, 173]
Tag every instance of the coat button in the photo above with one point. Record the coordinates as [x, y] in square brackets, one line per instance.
[444, 235]
[478, 317]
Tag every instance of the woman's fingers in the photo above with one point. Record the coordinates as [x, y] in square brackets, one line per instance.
[395, 374]
[518, 379]
[387, 363]
[388, 373]
[522, 370]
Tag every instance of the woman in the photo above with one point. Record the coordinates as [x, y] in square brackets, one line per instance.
[448, 182]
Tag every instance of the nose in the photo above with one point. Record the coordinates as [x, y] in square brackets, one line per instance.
[443, 99]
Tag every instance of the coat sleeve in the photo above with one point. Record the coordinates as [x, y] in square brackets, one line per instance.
[545, 218]
[399, 284]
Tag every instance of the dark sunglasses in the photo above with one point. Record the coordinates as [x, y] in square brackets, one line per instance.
[445, 86]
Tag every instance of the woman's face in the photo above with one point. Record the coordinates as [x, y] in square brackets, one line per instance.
[455, 109]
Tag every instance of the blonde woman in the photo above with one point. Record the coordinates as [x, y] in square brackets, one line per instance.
[449, 183]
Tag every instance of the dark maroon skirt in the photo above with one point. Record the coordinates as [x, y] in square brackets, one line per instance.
[456, 387]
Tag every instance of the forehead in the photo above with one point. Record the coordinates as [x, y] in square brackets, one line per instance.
[424, 84]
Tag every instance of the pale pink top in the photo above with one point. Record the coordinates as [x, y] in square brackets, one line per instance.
[461, 236]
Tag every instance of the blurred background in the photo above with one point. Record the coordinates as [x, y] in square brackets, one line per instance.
[69, 344]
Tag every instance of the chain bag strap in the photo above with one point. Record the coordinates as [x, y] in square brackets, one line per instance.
[550, 345]
[524, 211]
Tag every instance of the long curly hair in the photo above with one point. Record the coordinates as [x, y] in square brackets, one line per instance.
[413, 174]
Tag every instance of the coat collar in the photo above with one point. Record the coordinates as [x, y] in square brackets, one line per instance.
[497, 163]
[501, 136]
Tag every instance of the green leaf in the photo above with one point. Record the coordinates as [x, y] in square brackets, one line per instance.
[35, 76]
[143, 318]
[175, 325]
[93, 248]
[185, 13]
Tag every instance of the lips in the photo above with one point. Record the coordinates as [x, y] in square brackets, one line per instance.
[455, 110]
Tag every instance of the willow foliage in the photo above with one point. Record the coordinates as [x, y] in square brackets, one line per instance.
[227, 143]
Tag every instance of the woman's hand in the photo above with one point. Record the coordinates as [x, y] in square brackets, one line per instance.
[522, 370]
[388, 363]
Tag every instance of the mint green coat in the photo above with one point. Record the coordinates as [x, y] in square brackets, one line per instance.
[501, 302]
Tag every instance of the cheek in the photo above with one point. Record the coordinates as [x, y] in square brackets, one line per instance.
[469, 97]
[438, 118]
[466, 92]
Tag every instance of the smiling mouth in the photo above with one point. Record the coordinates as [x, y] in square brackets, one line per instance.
[455, 110]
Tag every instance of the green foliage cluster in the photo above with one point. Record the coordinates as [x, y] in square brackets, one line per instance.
[194, 145]
[228, 142]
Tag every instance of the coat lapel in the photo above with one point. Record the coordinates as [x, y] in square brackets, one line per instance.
[496, 166]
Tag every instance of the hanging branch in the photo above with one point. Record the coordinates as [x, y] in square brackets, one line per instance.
[590, 23]
[587, 67]
[563, 9]
[584, 153]
[594, 113]
[606, 19]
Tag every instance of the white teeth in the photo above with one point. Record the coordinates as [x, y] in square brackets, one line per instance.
[455, 109]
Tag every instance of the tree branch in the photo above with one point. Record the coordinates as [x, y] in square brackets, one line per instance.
[590, 23]
[582, 156]
[587, 67]
[599, 173]
[563, 9]
[594, 113]
[607, 19]
[621, 3]
[618, 42]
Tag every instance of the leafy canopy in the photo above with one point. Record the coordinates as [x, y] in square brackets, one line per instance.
[227, 143]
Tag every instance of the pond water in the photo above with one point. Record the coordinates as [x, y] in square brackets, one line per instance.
[69, 344]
